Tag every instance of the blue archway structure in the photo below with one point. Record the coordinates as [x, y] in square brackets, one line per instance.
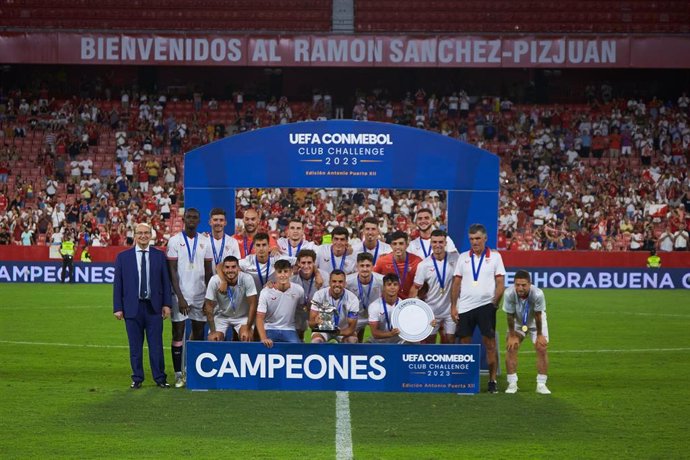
[347, 154]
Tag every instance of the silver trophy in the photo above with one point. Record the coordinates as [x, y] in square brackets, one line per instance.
[328, 315]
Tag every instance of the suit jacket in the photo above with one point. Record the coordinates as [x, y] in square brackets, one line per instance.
[126, 284]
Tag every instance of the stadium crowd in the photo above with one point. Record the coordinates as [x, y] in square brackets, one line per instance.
[609, 175]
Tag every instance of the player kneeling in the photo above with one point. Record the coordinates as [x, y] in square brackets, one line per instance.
[345, 306]
[230, 305]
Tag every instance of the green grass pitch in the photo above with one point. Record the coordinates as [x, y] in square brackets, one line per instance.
[620, 373]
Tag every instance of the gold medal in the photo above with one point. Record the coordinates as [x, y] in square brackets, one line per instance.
[525, 328]
[475, 283]
[443, 291]
[191, 266]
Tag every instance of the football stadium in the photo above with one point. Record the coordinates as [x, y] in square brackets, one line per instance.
[335, 228]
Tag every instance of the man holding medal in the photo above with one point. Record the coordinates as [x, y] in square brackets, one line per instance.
[346, 306]
[367, 285]
[400, 262]
[311, 279]
[436, 271]
[421, 246]
[525, 306]
[231, 311]
[189, 261]
[371, 242]
[478, 285]
[295, 241]
[381, 311]
[334, 256]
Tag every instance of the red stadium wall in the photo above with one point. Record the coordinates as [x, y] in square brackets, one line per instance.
[514, 259]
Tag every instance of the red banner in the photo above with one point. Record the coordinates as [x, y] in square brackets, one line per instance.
[346, 50]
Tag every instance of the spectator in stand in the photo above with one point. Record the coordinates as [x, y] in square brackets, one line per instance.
[681, 238]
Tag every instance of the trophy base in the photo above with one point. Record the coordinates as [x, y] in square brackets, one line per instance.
[327, 331]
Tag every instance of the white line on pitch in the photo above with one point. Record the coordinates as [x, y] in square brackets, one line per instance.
[343, 427]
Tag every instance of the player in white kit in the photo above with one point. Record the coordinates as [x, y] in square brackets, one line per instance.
[371, 242]
[295, 241]
[311, 279]
[346, 306]
[261, 264]
[334, 256]
[381, 311]
[275, 317]
[525, 307]
[436, 271]
[222, 245]
[231, 312]
[367, 285]
[421, 246]
[189, 260]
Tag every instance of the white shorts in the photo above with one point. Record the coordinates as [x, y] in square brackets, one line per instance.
[195, 312]
[533, 330]
[224, 323]
[447, 322]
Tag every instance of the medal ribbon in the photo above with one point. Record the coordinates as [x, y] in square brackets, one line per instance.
[441, 279]
[397, 270]
[424, 251]
[258, 270]
[249, 250]
[190, 253]
[475, 273]
[339, 307]
[342, 260]
[385, 312]
[217, 257]
[525, 310]
[296, 250]
[364, 300]
[231, 296]
[376, 252]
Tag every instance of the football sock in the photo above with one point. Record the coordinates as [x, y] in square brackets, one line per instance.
[541, 378]
[177, 358]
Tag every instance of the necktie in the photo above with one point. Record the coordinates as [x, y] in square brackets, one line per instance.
[143, 278]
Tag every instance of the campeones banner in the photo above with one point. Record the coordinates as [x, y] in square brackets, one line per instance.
[331, 367]
[346, 50]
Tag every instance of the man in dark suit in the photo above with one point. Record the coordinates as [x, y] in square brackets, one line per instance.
[142, 297]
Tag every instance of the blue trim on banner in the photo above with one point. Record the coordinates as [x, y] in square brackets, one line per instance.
[606, 278]
[550, 278]
[330, 367]
[51, 272]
